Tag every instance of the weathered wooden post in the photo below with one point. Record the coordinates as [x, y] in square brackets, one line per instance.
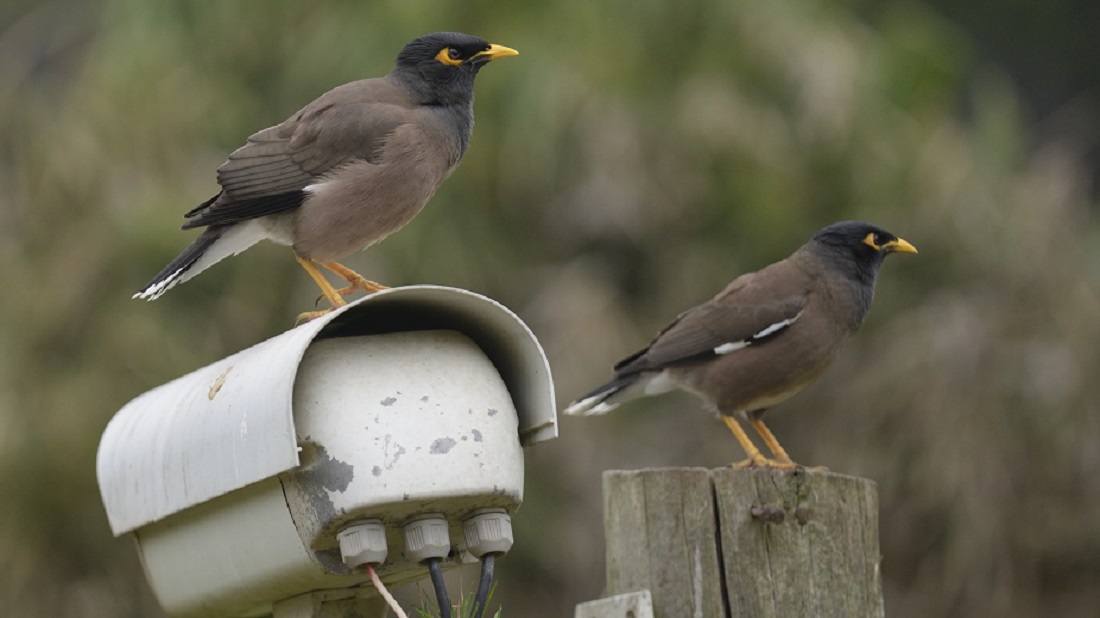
[744, 543]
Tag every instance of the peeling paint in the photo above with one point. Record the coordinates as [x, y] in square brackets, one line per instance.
[476, 434]
[400, 451]
[388, 401]
[442, 446]
[327, 472]
[492, 412]
[376, 471]
[219, 382]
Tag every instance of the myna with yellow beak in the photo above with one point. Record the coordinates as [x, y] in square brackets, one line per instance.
[349, 169]
[765, 337]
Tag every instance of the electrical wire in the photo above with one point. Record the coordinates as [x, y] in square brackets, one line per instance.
[440, 588]
[484, 584]
[385, 593]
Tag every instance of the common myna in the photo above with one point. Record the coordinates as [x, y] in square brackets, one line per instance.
[765, 337]
[349, 169]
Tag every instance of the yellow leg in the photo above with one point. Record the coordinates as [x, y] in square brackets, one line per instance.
[782, 460]
[327, 290]
[357, 281]
[755, 458]
[780, 453]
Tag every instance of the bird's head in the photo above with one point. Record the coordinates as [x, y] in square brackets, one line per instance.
[859, 247]
[439, 68]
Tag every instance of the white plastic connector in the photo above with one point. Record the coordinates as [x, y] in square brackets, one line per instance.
[488, 531]
[427, 536]
[363, 542]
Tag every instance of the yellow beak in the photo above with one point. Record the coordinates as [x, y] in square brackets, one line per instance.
[496, 52]
[899, 246]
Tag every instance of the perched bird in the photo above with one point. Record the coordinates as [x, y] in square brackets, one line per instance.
[349, 169]
[765, 337]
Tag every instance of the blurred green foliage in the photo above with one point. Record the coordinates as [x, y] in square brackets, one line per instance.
[633, 159]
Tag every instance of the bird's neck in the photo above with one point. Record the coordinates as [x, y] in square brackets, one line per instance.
[460, 122]
[455, 92]
[861, 279]
[852, 281]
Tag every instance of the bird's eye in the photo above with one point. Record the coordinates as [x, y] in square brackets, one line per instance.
[872, 241]
[449, 56]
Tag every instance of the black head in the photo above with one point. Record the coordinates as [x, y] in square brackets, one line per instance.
[439, 68]
[859, 247]
[856, 249]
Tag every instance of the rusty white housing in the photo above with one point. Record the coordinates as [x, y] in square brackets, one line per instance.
[237, 479]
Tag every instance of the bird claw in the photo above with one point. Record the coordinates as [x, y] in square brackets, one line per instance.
[745, 464]
[312, 315]
[366, 285]
[772, 464]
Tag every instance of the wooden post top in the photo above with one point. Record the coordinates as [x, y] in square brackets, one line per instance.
[744, 542]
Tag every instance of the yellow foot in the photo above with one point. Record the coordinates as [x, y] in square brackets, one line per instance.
[772, 464]
[312, 315]
[366, 285]
[357, 281]
[751, 462]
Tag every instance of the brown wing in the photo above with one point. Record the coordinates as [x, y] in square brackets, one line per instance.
[268, 174]
[753, 309]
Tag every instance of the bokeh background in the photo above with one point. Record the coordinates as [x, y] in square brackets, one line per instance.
[633, 159]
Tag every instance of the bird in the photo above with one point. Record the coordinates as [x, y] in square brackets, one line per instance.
[347, 170]
[763, 338]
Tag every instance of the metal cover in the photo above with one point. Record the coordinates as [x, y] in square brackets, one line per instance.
[230, 424]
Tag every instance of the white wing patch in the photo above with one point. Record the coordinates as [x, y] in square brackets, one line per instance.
[733, 346]
[775, 328]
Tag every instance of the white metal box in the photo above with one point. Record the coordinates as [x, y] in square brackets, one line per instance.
[236, 478]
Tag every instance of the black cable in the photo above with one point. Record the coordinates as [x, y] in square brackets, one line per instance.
[484, 585]
[440, 588]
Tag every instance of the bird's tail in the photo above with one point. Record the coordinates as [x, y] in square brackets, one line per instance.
[173, 273]
[621, 390]
[213, 244]
[605, 398]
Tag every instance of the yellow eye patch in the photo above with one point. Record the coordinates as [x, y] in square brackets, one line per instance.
[450, 56]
